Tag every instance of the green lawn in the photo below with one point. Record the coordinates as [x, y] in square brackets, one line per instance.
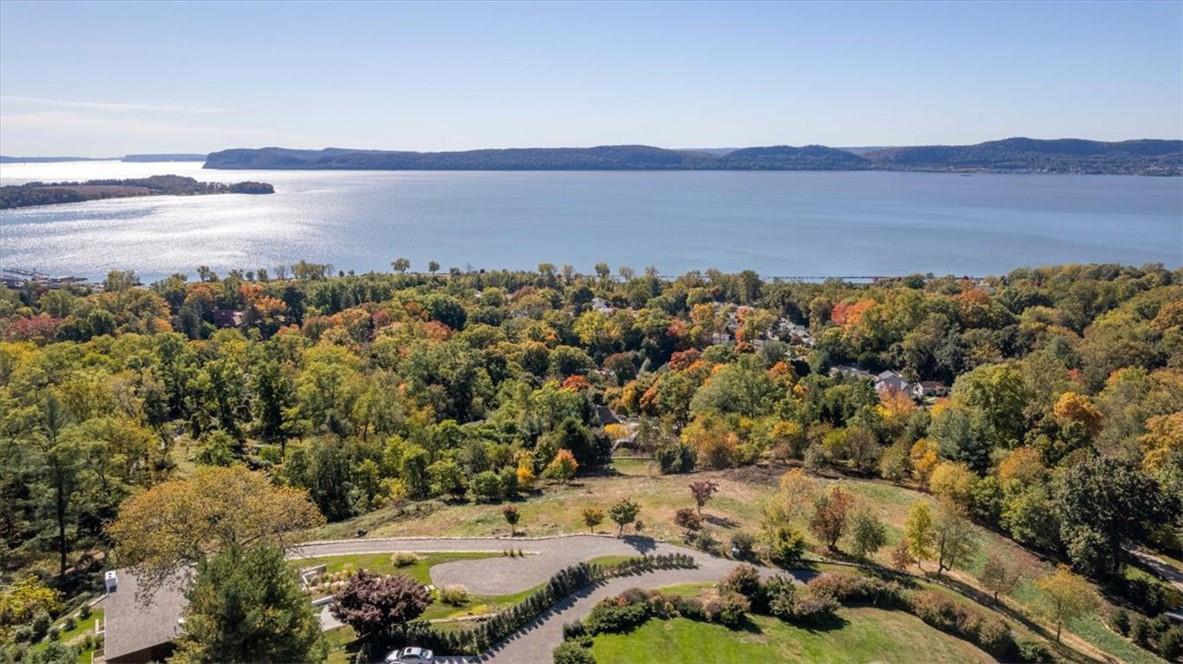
[868, 635]
[380, 563]
[610, 560]
[76, 635]
[341, 646]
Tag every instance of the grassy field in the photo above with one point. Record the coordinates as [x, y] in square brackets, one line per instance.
[867, 635]
[738, 505]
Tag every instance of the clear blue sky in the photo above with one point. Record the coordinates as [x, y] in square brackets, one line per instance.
[110, 78]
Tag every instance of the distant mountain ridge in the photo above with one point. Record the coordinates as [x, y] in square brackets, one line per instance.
[1065, 155]
[1012, 155]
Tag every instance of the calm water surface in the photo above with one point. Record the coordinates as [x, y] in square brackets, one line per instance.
[778, 223]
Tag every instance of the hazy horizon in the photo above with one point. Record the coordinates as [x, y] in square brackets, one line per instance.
[107, 79]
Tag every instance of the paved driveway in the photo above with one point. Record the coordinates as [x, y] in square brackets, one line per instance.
[545, 556]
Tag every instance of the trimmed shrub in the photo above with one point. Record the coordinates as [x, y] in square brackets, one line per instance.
[574, 630]
[813, 609]
[778, 596]
[570, 652]
[454, 595]
[849, 589]
[1035, 652]
[987, 632]
[743, 545]
[785, 547]
[404, 558]
[745, 580]
[69, 623]
[618, 614]
[728, 608]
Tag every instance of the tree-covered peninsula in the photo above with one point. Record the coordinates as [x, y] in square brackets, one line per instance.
[41, 193]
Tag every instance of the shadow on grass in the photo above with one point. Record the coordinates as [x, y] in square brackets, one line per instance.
[720, 521]
[828, 624]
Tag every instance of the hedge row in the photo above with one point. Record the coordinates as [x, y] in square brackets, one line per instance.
[485, 634]
[743, 590]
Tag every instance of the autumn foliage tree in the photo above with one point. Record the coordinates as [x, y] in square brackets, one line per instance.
[180, 522]
[687, 519]
[1000, 575]
[592, 517]
[379, 606]
[1066, 596]
[562, 467]
[702, 491]
[624, 513]
[830, 513]
[512, 516]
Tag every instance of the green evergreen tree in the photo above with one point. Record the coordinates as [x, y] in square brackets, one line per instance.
[246, 605]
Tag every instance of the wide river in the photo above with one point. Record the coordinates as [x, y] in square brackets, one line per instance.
[777, 223]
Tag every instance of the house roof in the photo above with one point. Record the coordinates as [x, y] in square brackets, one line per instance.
[226, 317]
[606, 415]
[137, 619]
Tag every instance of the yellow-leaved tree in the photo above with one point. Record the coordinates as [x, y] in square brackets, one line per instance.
[179, 523]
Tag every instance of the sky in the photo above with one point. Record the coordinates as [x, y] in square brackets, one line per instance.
[105, 79]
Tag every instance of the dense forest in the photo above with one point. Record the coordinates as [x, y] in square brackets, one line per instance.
[1063, 428]
[42, 193]
[1013, 155]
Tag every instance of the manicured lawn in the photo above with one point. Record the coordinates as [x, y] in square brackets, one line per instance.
[868, 635]
[380, 563]
[609, 560]
[477, 605]
[687, 589]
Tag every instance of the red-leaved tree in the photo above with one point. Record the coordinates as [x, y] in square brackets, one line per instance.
[376, 606]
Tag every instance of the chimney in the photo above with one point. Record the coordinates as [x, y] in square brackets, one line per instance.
[111, 581]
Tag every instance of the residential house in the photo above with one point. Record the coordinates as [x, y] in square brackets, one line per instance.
[929, 388]
[891, 380]
[141, 623]
[226, 317]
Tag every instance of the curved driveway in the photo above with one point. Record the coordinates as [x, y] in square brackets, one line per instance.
[545, 556]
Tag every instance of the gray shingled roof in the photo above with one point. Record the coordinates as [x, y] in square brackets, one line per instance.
[136, 620]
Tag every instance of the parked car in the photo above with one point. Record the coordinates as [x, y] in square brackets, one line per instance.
[410, 655]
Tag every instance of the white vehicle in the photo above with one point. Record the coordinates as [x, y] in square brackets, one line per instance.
[411, 655]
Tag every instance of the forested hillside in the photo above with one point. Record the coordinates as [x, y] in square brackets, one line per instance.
[1063, 428]
[1012, 155]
